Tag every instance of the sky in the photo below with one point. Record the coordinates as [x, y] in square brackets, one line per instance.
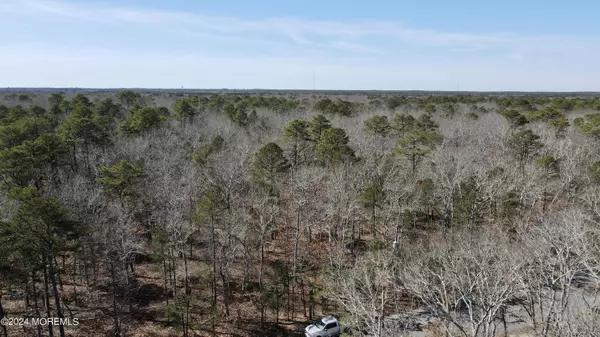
[509, 45]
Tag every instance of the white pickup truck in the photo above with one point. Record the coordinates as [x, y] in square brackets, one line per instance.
[327, 326]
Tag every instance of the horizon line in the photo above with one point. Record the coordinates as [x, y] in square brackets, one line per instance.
[3, 89]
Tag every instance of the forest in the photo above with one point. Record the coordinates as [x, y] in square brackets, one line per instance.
[253, 214]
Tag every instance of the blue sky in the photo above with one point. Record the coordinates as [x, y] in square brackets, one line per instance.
[378, 44]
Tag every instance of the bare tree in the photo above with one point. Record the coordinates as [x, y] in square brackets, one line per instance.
[466, 280]
[365, 289]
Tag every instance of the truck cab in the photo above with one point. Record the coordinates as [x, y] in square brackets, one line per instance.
[327, 326]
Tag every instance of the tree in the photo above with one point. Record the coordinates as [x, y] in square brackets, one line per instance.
[317, 125]
[183, 108]
[33, 161]
[120, 179]
[24, 98]
[237, 113]
[14, 113]
[425, 122]
[80, 101]
[56, 99]
[403, 123]
[430, 108]
[338, 107]
[594, 172]
[515, 118]
[296, 133]
[23, 129]
[589, 125]
[466, 202]
[13, 267]
[378, 125]
[268, 162]
[263, 214]
[211, 206]
[108, 109]
[323, 105]
[202, 155]
[373, 197]
[143, 119]
[365, 289]
[417, 144]
[552, 116]
[128, 97]
[332, 147]
[524, 144]
[550, 167]
[42, 227]
[85, 127]
[466, 279]
[37, 111]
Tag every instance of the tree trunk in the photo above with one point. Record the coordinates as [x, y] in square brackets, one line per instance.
[74, 167]
[127, 287]
[27, 304]
[185, 270]
[224, 282]
[214, 275]
[187, 317]
[58, 308]
[35, 303]
[85, 269]
[47, 302]
[173, 262]
[260, 282]
[4, 329]
[165, 274]
[373, 230]
[114, 301]
[302, 296]
[75, 276]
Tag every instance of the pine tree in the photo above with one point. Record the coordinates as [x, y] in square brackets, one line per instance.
[417, 144]
[523, 145]
[296, 133]
[269, 161]
[120, 179]
[333, 148]
[378, 125]
[317, 125]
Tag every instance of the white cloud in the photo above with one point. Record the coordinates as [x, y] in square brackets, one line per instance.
[352, 36]
[367, 54]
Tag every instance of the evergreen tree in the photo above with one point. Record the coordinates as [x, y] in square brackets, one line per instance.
[378, 125]
[84, 127]
[42, 229]
[32, 161]
[296, 133]
[268, 162]
[120, 179]
[317, 125]
[143, 119]
[417, 144]
[333, 148]
[128, 97]
[373, 197]
[515, 118]
[201, 156]
[184, 108]
[403, 123]
[524, 144]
